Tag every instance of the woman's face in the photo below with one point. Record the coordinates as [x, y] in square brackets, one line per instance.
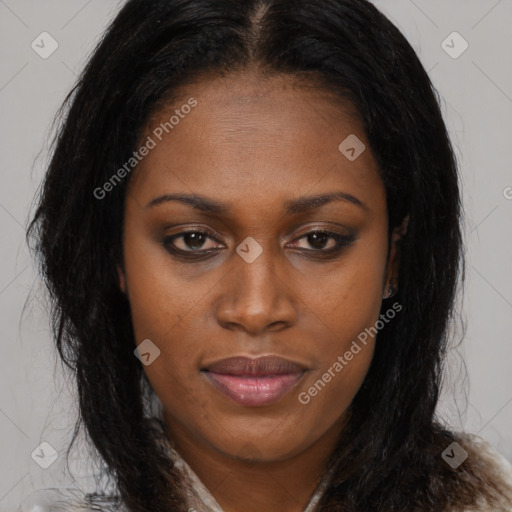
[249, 278]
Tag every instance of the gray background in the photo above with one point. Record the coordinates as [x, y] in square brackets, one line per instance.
[36, 398]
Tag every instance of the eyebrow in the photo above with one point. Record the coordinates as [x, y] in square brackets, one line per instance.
[292, 206]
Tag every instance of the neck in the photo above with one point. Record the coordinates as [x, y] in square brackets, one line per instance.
[252, 484]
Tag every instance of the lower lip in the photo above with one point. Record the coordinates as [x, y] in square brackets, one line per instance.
[254, 391]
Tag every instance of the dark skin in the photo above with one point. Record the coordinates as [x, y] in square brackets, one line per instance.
[254, 144]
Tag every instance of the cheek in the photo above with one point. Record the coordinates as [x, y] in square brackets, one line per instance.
[343, 349]
[160, 299]
[347, 297]
[347, 305]
[344, 353]
[161, 306]
[329, 391]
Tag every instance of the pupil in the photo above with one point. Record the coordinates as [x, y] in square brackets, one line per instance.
[317, 240]
[194, 240]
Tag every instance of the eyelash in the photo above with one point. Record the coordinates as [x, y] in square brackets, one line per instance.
[342, 241]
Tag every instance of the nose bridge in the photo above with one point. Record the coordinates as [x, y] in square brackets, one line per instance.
[256, 296]
[257, 277]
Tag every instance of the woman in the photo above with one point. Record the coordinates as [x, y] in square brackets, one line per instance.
[251, 219]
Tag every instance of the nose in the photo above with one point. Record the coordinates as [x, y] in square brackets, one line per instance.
[259, 297]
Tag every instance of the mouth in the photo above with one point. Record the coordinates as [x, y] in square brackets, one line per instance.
[254, 382]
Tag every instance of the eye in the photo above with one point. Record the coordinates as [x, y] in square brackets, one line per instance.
[189, 242]
[194, 243]
[324, 241]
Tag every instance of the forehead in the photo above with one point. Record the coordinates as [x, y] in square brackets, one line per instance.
[245, 135]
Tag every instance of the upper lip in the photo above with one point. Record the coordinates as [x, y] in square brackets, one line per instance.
[261, 366]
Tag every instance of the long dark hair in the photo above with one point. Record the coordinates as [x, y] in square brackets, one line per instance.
[389, 455]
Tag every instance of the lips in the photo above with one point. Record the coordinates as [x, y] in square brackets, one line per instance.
[262, 366]
[254, 382]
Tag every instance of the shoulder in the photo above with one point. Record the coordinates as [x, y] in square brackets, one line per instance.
[493, 469]
[488, 457]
